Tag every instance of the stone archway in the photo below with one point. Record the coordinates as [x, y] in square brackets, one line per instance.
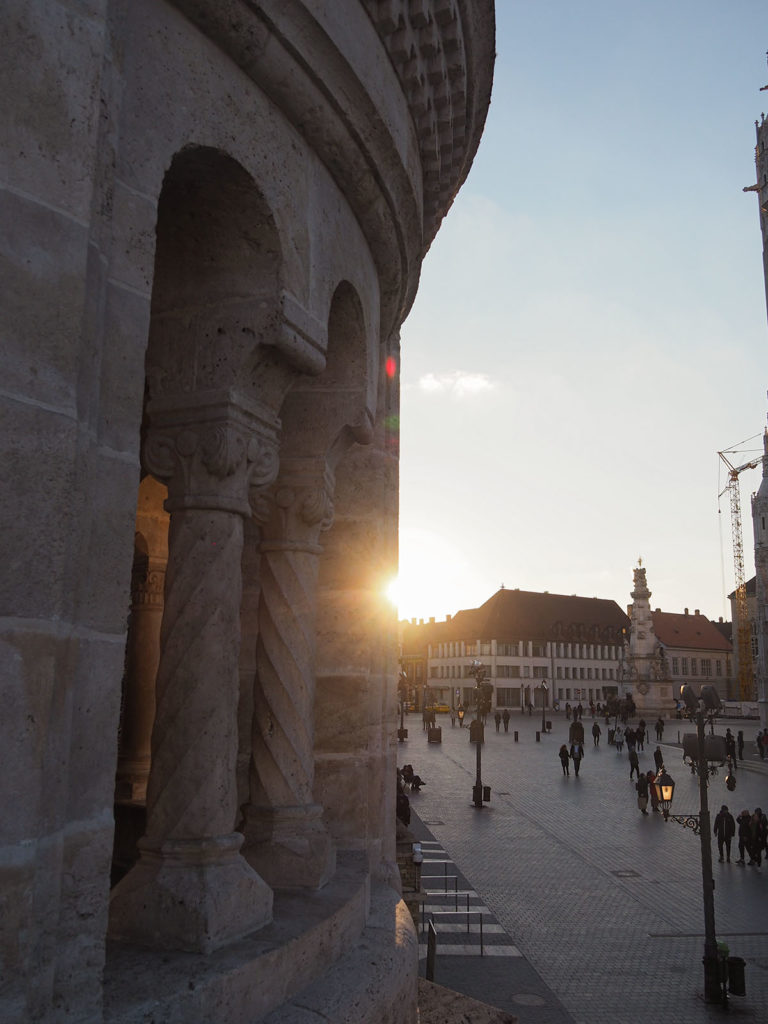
[323, 416]
[214, 387]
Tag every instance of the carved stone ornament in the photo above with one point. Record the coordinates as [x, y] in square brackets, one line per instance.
[298, 508]
[211, 451]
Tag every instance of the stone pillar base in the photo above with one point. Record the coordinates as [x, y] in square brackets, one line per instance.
[194, 895]
[289, 846]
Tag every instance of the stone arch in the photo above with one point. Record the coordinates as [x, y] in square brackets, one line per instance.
[215, 383]
[322, 417]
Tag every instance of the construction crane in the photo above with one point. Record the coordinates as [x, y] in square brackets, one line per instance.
[744, 627]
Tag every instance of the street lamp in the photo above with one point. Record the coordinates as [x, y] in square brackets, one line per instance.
[476, 736]
[544, 689]
[699, 709]
[402, 732]
[461, 711]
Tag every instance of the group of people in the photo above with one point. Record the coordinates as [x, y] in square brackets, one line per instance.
[752, 835]
[502, 716]
[575, 753]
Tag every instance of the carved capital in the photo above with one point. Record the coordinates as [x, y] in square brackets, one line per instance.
[298, 507]
[210, 449]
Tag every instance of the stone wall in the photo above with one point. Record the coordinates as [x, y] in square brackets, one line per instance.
[214, 215]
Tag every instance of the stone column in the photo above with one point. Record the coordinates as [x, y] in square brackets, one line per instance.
[141, 664]
[286, 841]
[191, 888]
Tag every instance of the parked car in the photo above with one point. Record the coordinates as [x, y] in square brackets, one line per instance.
[439, 709]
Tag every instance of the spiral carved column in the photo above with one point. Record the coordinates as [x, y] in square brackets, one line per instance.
[286, 841]
[141, 669]
[191, 888]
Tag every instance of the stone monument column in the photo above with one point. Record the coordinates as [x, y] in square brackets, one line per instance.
[141, 670]
[286, 841]
[191, 888]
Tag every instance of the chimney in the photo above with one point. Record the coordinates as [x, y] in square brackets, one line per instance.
[432, 620]
[696, 612]
[657, 610]
[448, 618]
[413, 622]
[685, 610]
[421, 622]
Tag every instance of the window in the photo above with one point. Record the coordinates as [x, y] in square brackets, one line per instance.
[508, 650]
[684, 666]
[755, 648]
[567, 671]
[470, 649]
[433, 672]
[718, 668]
[539, 671]
[581, 673]
[484, 647]
[559, 672]
[526, 671]
[675, 666]
[589, 673]
[508, 671]
[693, 667]
[539, 650]
[507, 697]
[706, 666]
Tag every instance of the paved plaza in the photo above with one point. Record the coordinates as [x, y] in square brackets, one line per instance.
[596, 911]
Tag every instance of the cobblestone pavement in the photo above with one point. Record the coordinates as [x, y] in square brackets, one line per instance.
[605, 904]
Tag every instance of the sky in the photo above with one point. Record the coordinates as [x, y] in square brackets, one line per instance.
[590, 329]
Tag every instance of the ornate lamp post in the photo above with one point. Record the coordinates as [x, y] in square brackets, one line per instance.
[544, 688]
[476, 736]
[699, 710]
[402, 732]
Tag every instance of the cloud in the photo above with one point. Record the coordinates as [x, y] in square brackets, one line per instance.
[457, 383]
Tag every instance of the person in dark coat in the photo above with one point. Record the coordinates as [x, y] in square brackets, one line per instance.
[563, 755]
[640, 733]
[659, 728]
[577, 752]
[740, 743]
[658, 759]
[634, 763]
[743, 822]
[758, 830]
[642, 792]
[505, 719]
[724, 830]
[497, 720]
[596, 733]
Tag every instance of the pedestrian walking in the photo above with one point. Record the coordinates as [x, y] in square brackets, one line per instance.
[618, 738]
[652, 790]
[759, 744]
[630, 738]
[758, 831]
[577, 752]
[634, 763]
[505, 719]
[642, 793]
[724, 830]
[640, 734]
[744, 822]
[658, 759]
[740, 743]
[579, 710]
[659, 728]
[453, 718]
[730, 747]
[764, 744]
[596, 733]
[567, 711]
[497, 720]
[564, 756]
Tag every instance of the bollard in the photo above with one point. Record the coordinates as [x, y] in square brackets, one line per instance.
[538, 737]
[516, 737]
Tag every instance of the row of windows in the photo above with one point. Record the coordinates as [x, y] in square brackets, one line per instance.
[696, 667]
[511, 697]
[579, 673]
[519, 648]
